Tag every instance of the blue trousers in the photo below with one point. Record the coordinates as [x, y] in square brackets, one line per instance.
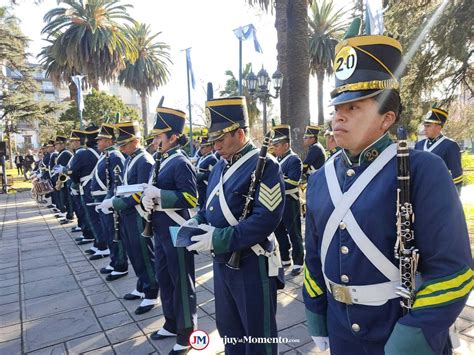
[118, 257]
[290, 226]
[93, 219]
[175, 272]
[246, 304]
[139, 251]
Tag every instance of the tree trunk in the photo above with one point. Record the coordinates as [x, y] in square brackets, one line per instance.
[145, 112]
[320, 79]
[281, 25]
[10, 151]
[298, 70]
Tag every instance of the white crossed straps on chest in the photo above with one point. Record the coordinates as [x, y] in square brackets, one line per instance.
[85, 179]
[294, 191]
[430, 149]
[96, 173]
[375, 294]
[228, 174]
[129, 167]
[171, 212]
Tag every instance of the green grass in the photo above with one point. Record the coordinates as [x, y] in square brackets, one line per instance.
[18, 181]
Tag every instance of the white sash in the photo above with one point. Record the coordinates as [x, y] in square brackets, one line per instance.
[96, 173]
[373, 294]
[230, 172]
[425, 147]
[129, 166]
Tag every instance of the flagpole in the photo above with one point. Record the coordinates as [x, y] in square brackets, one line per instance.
[189, 104]
[240, 66]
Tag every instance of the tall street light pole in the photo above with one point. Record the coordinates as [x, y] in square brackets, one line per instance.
[258, 86]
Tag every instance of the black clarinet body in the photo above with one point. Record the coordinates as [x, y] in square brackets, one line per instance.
[405, 248]
[234, 260]
[147, 230]
[117, 172]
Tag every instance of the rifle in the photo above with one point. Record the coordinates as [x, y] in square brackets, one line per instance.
[234, 260]
[405, 249]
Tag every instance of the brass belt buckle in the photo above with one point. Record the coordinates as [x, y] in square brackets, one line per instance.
[340, 293]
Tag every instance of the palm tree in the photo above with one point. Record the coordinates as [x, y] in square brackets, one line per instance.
[89, 37]
[232, 89]
[150, 70]
[291, 23]
[326, 27]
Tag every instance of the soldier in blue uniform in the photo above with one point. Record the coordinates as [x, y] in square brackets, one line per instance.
[60, 167]
[102, 186]
[149, 146]
[48, 170]
[331, 145]
[245, 297]
[351, 274]
[76, 143]
[171, 197]
[204, 166]
[439, 144]
[137, 169]
[316, 155]
[290, 226]
[81, 168]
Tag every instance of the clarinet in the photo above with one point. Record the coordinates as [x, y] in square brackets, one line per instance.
[234, 260]
[117, 172]
[147, 230]
[107, 173]
[405, 248]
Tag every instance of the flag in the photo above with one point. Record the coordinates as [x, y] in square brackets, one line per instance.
[190, 66]
[246, 32]
[76, 79]
[374, 17]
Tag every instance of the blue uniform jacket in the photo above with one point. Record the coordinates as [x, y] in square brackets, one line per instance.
[63, 158]
[137, 174]
[177, 182]
[52, 163]
[442, 239]
[45, 165]
[115, 159]
[291, 167]
[82, 164]
[314, 159]
[450, 152]
[204, 167]
[267, 209]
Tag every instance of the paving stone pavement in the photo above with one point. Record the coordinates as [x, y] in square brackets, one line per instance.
[53, 300]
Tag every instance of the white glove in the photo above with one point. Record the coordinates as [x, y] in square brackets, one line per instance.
[203, 242]
[58, 169]
[74, 192]
[97, 209]
[107, 206]
[151, 196]
[322, 343]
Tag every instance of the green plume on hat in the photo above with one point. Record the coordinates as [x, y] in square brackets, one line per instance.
[354, 28]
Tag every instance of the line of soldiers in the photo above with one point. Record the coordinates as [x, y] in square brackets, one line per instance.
[351, 276]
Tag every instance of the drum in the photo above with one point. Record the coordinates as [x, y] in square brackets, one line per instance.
[44, 187]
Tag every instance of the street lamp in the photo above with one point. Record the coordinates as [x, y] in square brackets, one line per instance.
[257, 86]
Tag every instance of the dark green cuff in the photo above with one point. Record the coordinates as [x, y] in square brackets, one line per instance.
[200, 177]
[200, 219]
[119, 204]
[221, 239]
[317, 326]
[168, 199]
[405, 339]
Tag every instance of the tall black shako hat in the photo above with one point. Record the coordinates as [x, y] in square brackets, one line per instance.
[91, 133]
[436, 115]
[51, 143]
[226, 115]
[127, 132]
[205, 140]
[76, 135]
[364, 66]
[280, 133]
[149, 140]
[311, 131]
[168, 120]
[106, 131]
[60, 140]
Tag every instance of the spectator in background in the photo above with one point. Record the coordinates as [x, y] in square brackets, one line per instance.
[19, 164]
[27, 164]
